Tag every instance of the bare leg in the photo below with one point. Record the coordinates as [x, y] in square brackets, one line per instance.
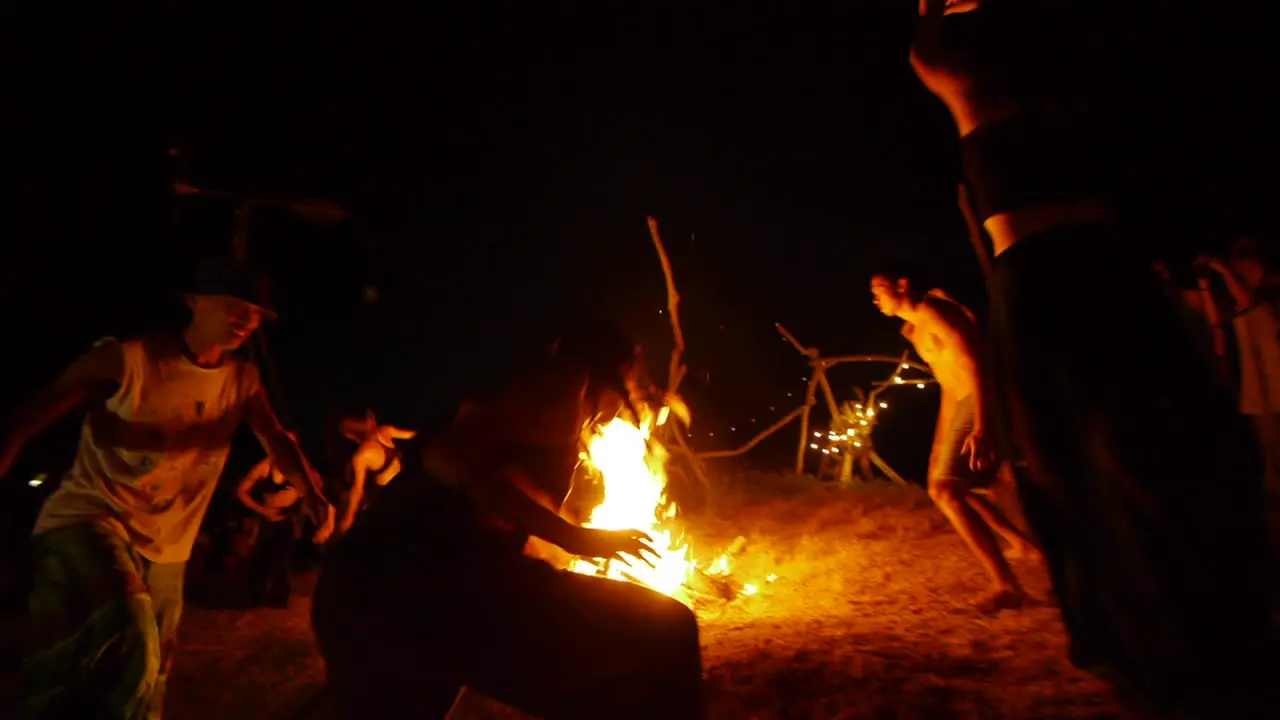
[1019, 544]
[950, 496]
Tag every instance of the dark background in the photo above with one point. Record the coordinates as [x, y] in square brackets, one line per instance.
[499, 161]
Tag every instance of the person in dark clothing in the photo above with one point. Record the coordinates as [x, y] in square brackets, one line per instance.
[430, 591]
[266, 491]
[1145, 495]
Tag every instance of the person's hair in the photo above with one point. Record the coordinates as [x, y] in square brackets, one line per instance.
[597, 346]
[907, 273]
[602, 350]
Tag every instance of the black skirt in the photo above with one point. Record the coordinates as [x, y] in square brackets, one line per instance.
[1144, 482]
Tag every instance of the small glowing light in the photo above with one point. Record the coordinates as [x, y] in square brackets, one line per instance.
[817, 434]
[920, 385]
[804, 379]
[835, 450]
[849, 432]
[871, 413]
[813, 445]
[862, 422]
[857, 444]
[733, 429]
[788, 394]
[35, 482]
[753, 419]
[712, 434]
[771, 578]
[748, 589]
[884, 405]
[771, 407]
[897, 379]
[906, 366]
[826, 451]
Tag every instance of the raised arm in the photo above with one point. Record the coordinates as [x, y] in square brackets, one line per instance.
[88, 375]
[281, 449]
[1031, 166]
[359, 474]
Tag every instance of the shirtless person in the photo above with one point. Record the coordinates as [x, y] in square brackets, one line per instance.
[375, 456]
[946, 337]
[111, 544]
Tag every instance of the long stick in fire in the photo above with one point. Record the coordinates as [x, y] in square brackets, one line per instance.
[675, 372]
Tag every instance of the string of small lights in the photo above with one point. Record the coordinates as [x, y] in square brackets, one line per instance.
[850, 431]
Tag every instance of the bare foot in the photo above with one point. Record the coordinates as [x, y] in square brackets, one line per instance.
[1001, 599]
[1022, 551]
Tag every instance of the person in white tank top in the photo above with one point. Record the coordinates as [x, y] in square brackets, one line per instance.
[111, 543]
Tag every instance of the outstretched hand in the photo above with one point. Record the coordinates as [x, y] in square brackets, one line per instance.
[980, 451]
[611, 544]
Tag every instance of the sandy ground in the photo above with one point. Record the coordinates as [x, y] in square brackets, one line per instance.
[868, 618]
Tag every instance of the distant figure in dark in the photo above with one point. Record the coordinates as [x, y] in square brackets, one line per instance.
[1254, 312]
[430, 592]
[376, 456]
[962, 463]
[266, 491]
[1143, 480]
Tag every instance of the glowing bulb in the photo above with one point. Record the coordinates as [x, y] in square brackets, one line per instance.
[920, 385]
[884, 405]
[813, 445]
[897, 379]
[817, 434]
[849, 432]
[826, 451]
[871, 413]
[771, 578]
[857, 444]
[906, 366]
[835, 450]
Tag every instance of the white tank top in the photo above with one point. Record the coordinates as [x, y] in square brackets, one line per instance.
[149, 458]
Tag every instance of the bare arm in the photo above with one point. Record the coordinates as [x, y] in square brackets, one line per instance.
[359, 473]
[1242, 295]
[469, 457]
[89, 374]
[245, 488]
[1213, 316]
[281, 449]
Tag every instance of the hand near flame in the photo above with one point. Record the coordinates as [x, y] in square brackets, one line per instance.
[610, 544]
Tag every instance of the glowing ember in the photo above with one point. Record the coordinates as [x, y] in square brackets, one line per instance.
[633, 467]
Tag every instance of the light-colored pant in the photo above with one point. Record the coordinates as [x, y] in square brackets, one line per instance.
[104, 624]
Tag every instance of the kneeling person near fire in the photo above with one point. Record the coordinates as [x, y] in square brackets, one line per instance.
[945, 334]
[430, 590]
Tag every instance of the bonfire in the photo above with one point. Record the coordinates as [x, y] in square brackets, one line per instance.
[632, 466]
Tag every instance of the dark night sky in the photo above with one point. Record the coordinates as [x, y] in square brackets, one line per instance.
[500, 164]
